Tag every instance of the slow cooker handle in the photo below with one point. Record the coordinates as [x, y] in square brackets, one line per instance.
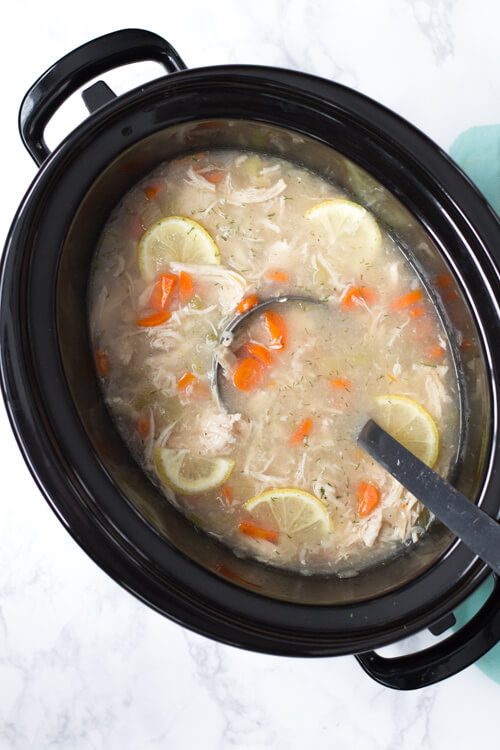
[78, 68]
[443, 660]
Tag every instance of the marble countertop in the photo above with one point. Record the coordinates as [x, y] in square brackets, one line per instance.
[82, 663]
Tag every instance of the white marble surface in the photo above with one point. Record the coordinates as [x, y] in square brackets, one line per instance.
[82, 663]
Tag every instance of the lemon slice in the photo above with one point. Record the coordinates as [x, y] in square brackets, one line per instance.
[349, 226]
[295, 511]
[174, 238]
[191, 474]
[411, 425]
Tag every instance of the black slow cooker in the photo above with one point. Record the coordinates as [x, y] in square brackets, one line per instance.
[68, 438]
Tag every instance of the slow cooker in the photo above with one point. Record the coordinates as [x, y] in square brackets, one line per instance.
[50, 387]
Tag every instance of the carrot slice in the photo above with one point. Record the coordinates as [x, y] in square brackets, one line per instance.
[301, 432]
[280, 276]
[251, 529]
[391, 377]
[340, 383]
[214, 176]
[277, 329]
[185, 285]
[259, 352]
[187, 379]
[227, 493]
[246, 304]
[156, 319]
[143, 427]
[162, 291]
[368, 498]
[191, 388]
[416, 312]
[102, 363]
[247, 374]
[436, 351]
[357, 297]
[152, 191]
[444, 279]
[407, 300]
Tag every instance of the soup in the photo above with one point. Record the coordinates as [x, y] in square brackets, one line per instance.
[252, 433]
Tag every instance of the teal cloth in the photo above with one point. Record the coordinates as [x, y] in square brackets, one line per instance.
[477, 151]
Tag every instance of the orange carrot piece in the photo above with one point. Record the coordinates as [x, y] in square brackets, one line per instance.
[280, 276]
[251, 529]
[152, 191]
[436, 351]
[162, 291]
[228, 494]
[368, 498]
[191, 388]
[357, 297]
[259, 352]
[301, 432]
[156, 319]
[102, 363]
[214, 176]
[277, 329]
[391, 377]
[407, 300]
[247, 374]
[416, 312]
[185, 286]
[246, 304]
[444, 279]
[340, 383]
[143, 427]
[187, 379]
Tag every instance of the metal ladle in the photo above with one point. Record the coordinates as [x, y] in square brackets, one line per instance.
[237, 322]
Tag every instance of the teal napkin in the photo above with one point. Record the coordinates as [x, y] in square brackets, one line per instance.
[477, 151]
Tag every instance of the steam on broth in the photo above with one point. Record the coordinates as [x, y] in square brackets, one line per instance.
[273, 469]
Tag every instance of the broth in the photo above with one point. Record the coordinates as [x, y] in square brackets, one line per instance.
[272, 470]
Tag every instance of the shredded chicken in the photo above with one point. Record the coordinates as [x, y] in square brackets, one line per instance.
[370, 527]
[254, 195]
[210, 432]
[194, 179]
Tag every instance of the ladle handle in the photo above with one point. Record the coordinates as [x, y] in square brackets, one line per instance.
[78, 68]
[472, 525]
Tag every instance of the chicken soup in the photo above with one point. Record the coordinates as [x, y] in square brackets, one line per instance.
[252, 434]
